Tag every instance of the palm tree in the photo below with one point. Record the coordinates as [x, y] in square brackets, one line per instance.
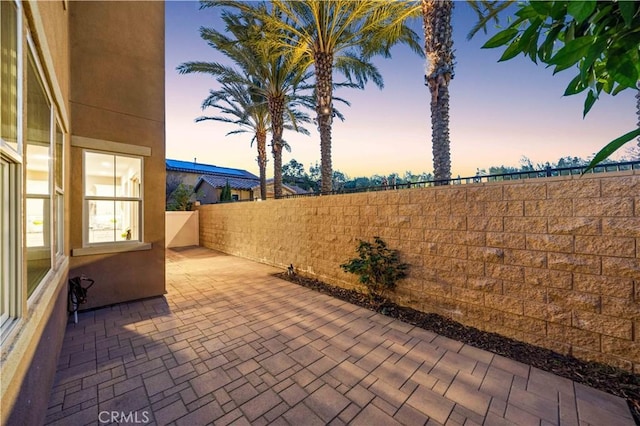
[270, 76]
[335, 35]
[438, 43]
[242, 108]
[638, 109]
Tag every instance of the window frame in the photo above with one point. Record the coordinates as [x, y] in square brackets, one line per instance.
[12, 283]
[12, 263]
[32, 55]
[17, 153]
[126, 245]
[58, 198]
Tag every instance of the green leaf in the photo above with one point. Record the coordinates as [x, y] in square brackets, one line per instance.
[594, 52]
[569, 33]
[627, 10]
[503, 37]
[527, 12]
[581, 10]
[622, 70]
[617, 90]
[529, 39]
[572, 52]
[588, 102]
[546, 48]
[607, 84]
[511, 52]
[575, 86]
[603, 13]
[558, 11]
[610, 148]
[542, 7]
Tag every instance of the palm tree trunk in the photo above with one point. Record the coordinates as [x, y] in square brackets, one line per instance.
[276, 149]
[276, 110]
[638, 111]
[440, 134]
[324, 110]
[261, 139]
[439, 50]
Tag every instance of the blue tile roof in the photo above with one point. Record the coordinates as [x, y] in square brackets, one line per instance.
[207, 169]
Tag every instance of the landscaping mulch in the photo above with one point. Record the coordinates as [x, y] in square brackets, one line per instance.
[599, 376]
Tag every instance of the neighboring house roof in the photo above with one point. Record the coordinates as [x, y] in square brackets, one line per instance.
[207, 169]
[296, 189]
[292, 188]
[299, 190]
[221, 181]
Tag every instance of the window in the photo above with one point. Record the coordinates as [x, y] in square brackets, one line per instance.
[112, 198]
[10, 166]
[59, 188]
[31, 171]
[9, 75]
[9, 254]
[38, 164]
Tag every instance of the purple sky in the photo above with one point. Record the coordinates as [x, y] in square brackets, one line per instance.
[499, 112]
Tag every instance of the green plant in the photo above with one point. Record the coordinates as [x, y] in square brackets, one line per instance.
[181, 199]
[598, 39]
[378, 266]
[225, 194]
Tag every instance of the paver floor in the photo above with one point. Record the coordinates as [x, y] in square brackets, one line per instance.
[231, 344]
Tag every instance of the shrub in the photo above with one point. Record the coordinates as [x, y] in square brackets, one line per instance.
[379, 267]
[182, 198]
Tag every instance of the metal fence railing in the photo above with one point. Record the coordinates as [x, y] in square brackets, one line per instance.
[529, 174]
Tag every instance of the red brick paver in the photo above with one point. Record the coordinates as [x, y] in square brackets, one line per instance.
[231, 344]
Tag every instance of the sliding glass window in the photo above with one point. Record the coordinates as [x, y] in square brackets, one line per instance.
[10, 168]
[38, 163]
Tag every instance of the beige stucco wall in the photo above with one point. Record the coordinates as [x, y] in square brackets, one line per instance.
[186, 178]
[554, 262]
[117, 95]
[181, 229]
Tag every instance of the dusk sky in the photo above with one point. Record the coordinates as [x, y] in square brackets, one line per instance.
[499, 112]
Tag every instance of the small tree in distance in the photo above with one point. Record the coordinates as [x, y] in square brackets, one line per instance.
[225, 194]
[181, 198]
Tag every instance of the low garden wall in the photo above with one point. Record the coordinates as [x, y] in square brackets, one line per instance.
[181, 229]
[554, 262]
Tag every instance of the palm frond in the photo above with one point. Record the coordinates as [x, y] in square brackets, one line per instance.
[357, 68]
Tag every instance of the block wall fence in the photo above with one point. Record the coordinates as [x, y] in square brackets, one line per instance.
[554, 262]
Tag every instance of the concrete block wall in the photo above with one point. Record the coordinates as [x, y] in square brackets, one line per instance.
[554, 262]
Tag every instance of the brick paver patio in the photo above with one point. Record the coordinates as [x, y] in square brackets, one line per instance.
[231, 344]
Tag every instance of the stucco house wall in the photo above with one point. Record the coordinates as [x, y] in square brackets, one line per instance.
[117, 101]
[108, 94]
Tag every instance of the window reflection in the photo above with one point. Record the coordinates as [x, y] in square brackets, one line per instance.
[9, 74]
[38, 159]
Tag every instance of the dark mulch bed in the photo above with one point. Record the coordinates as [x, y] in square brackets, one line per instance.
[600, 376]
